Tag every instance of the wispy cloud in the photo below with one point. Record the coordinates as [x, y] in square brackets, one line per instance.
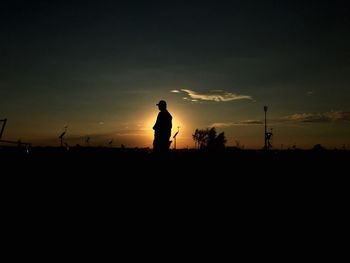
[213, 95]
[326, 117]
[239, 123]
[330, 116]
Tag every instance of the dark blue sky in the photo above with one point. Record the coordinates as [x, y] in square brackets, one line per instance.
[100, 67]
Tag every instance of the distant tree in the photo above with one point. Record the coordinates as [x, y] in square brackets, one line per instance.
[209, 140]
[200, 138]
[318, 147]
[195, 137]
[220, 141]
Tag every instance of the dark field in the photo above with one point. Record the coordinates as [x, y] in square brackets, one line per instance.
[133, 184]
[231, 162]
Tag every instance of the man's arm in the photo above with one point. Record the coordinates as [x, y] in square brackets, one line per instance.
[156, 125]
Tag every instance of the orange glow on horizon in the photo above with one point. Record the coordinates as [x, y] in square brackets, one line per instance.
[183, 139]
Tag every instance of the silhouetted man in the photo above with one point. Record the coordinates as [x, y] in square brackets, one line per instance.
[162, 129]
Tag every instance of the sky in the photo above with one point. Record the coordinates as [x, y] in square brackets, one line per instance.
[99, 68]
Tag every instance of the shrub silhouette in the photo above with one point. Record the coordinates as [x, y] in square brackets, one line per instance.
[318, 147]
[209, 140]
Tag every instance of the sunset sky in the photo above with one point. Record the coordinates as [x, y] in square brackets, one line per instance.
[100, 67]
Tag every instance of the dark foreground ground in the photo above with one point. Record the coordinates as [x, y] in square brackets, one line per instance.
[117, 161]
[297, 191]
[242, 174]
[234, 176]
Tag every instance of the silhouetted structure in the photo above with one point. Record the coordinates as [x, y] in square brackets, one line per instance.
[162, 129]
[268, 135]
[174, 137]
[18, 142]
[3, 127]
[62, 135]
[66, 145]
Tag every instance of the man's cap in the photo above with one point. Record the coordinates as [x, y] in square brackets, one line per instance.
[161, 102]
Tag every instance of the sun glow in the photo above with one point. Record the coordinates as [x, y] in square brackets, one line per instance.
[178, 123]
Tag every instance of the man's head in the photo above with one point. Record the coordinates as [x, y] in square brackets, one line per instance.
[161, 105]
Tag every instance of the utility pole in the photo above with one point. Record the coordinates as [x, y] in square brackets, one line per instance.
[62, 134]
[265, 144]
[3, 127]
[174, 137]
[268, 135]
